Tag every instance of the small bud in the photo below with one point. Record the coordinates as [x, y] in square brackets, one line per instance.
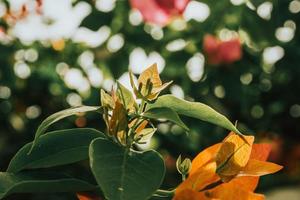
[183, 167]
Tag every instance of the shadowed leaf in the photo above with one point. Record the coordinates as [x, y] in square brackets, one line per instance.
[125, 174]
[55, 148]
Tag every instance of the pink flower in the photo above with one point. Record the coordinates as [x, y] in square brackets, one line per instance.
[159, 12]
[221, 52]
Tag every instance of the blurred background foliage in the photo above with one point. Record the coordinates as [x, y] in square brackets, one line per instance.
[241, 57]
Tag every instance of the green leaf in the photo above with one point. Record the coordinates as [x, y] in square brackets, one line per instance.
[106, 100]
[165, 113]
[125, 174]
[37, 182]
[146, 134]
[193, 109]
[55, 148]
[127, 98]
[58, 116]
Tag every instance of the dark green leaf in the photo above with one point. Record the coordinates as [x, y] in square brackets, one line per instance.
[193, 109]
[165, 113]
[55, 148]
[60, 115]
[125, 175]
[36, 182]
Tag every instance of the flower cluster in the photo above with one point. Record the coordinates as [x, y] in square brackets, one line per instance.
[228, 171]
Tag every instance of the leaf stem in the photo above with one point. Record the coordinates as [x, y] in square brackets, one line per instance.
[165, 193]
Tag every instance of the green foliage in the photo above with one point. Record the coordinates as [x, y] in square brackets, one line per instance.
[125, 174]
[58, 116]
[127, 97]
[121, 170]
[55, 148]
[193, 109]
[36, 182]
[165, 113]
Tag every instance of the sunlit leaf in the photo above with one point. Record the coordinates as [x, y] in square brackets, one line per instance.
[106, 100]
[118, 122]
[149, 84]
[193, 109]
[126, 97]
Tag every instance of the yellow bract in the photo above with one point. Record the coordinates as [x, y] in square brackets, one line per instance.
[118, 122]
[106, 100]
[149, 84]
[233, 155]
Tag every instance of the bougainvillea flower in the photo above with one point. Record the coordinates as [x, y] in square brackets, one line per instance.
[234, 159]
[159, 12]
[233, 155]
[221, 52]
[149, 84]
[204, 183]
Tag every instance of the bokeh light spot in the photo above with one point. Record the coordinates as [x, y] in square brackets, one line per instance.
[177, 91]
[257, 111]
[295, 110]
[33, 112]
[264, 10]
[195, 67]
[219, 91]
[196, 10]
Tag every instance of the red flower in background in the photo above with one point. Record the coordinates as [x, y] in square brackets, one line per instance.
[159, 12]
[221, 52]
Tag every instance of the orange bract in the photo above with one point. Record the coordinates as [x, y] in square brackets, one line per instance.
[241, 161]
[86, 196]
[207, 155]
